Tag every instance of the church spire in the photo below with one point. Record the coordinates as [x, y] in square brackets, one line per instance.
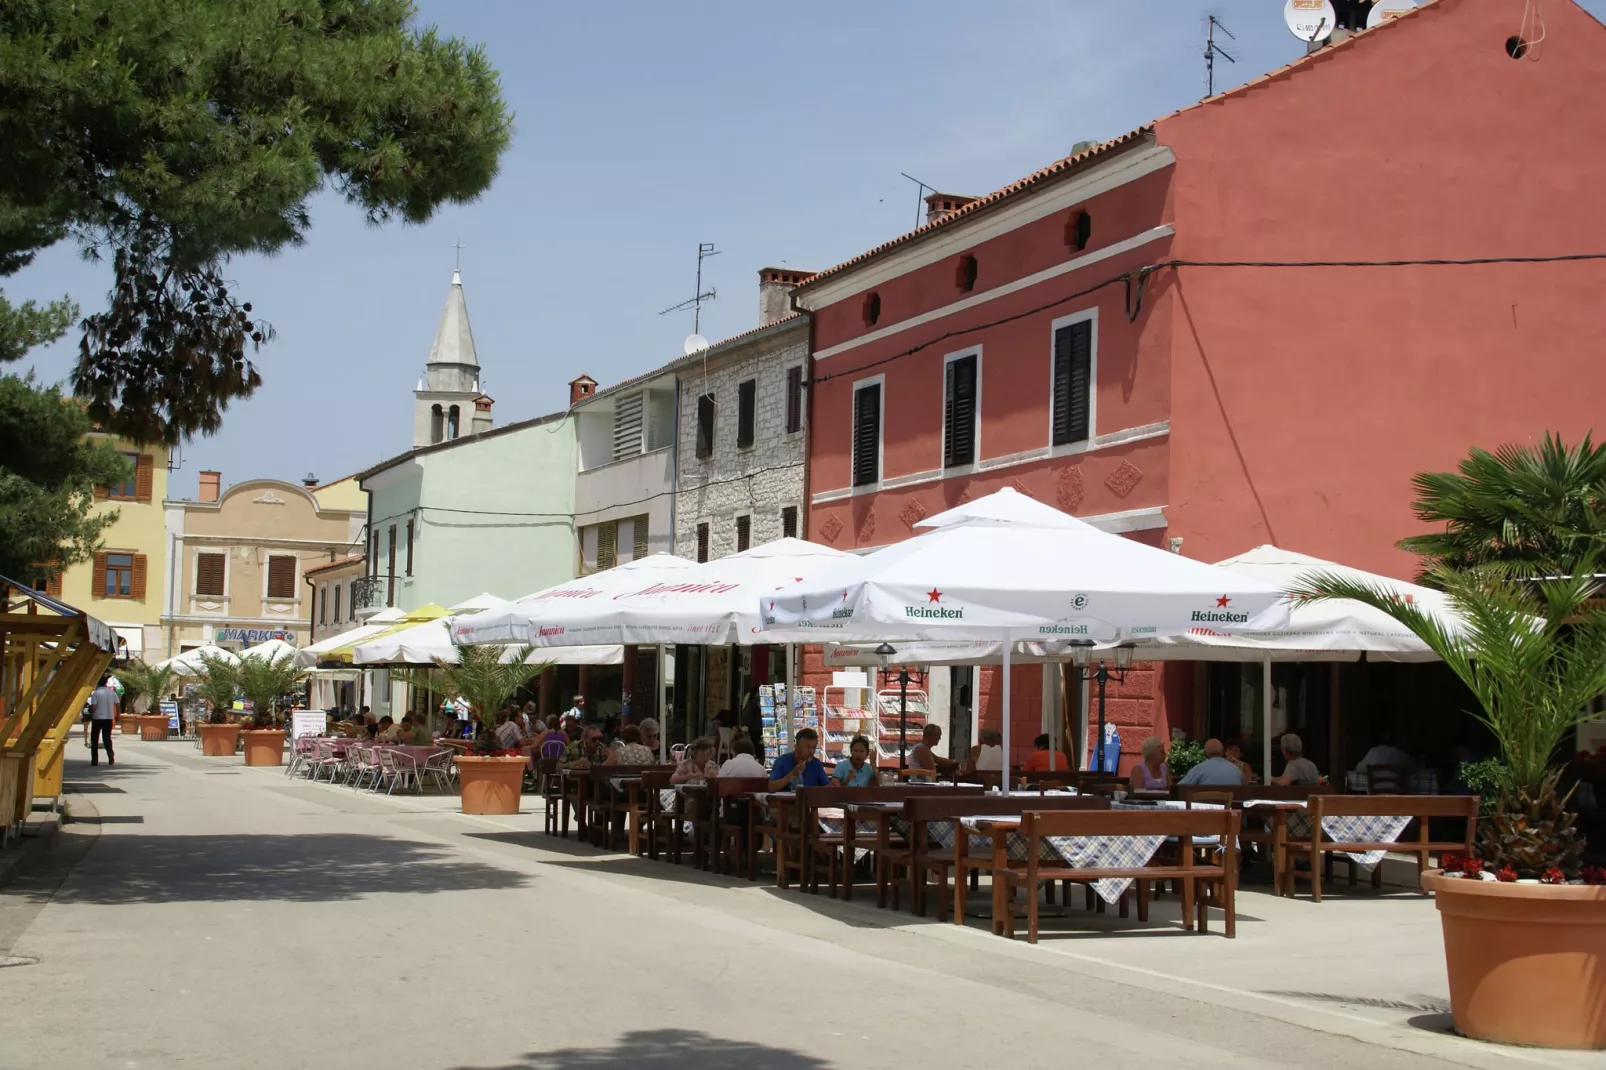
[454, 339]
[448, 402]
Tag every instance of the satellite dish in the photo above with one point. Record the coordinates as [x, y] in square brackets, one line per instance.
[1310, 20]
[1387, 9]
[695, 343]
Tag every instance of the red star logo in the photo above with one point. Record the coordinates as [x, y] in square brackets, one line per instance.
[934, 594]
[1221, 603]
[844, 596]
[772, 605]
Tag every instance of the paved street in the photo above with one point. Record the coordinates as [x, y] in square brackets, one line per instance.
[227, 917]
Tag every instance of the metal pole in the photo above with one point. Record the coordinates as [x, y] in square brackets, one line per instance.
[1004, 781]
[1103, 676]
[663, 702]
[1265, 717]
[903, 718]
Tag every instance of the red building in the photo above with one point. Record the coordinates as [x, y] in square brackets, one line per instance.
[1134, 334]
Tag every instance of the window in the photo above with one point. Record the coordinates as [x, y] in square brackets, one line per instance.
[209, 574]
[965, 275]
[1073, 382]
[872, 309]
[281, 576]
[789, 522]
[794, 399]
[744, 533]
[119, 575]
[1078, 230]
[607, 545]
[323, 604]
[702, 542]
[409, 548]
[705, 426]
[959, 412]
[390, 572]
[639, 548]
[660, 419]
[373, 559]
[128, 490]
[451, 422]
[746, 399]
[336, 618]
[437, 423]
[46, 579]
[866, 434]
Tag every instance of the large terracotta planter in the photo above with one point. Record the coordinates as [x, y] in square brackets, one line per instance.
[1527, 962]
[219, 740]
[490, 785]
[153, 726]
[129, 723]
[264, 746]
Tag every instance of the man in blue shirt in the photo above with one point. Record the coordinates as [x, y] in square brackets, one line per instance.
[800, 769]
[1216, 770]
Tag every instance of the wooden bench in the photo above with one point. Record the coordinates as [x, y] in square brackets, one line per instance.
[1417, 807]
[1037, 825]
[920, 857]
[1266, 832]
[731, 837]
[806, 843]
[602, 800]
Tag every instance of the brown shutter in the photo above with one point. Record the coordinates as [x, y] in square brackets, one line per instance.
[144, 480]
[794, 399]
[103, 492]
[97, 583]
[53, 584]
[639, 548]
[209, 574]
[281, 576]
[607, 545]
[137, 588]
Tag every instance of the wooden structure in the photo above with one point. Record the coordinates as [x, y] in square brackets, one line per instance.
[51, 657]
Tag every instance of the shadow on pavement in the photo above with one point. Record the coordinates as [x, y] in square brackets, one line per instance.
[667, 1049]
[135, 868]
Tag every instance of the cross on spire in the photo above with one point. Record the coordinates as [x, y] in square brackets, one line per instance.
[458, 246]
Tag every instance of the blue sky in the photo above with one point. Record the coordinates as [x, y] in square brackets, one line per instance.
[775, 131]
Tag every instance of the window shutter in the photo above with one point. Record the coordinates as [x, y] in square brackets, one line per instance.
[867, 435]
[209, 574]
[137, 587]
[336, 618]
[1073, 368]
[627, 414]
[409, 548]
[746, 399]
[103, 492]
[281, 576]
[794, 399]
[144, 477]
[705, 426]
[744, 533]
[789, 522]
[639, 548]
[607, 545]
[959, 416]
[702, 542]
[98, 580]
[53, 584]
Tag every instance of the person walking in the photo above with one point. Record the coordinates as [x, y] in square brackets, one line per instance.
[102, 715]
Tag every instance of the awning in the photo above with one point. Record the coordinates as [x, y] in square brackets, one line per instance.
[341, 647]
[134, 636]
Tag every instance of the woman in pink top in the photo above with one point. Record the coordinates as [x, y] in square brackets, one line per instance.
[1152, 774]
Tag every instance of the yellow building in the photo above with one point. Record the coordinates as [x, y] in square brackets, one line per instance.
[238, 559]
[123, 585]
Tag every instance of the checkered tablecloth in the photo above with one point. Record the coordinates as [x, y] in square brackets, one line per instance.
[832, 819]
[1365, 830]
[1082, 852]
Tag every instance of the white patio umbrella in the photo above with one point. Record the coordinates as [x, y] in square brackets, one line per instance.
[988, 577]
[193, 662]
[430, 643]
[518, 621]
[272, 650]
[308, 656]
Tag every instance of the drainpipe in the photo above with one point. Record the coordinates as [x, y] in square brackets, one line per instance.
[674, 469]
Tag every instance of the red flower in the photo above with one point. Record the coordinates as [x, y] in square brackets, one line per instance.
[1452, 861]
[1471, 867]
[1553, 876]
[1506, 874]
[1593, 875]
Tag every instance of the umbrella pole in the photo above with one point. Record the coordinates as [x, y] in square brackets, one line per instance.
[1265, 720]
[783, 717]
[663, 703]
[1004, 782]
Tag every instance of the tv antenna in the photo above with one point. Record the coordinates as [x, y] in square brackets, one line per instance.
[699, 295]
[1212, 50]
[920, 196]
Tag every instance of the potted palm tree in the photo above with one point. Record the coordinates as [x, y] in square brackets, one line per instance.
[264, 682]
[491, 779]
[143, 688]
[220, 737]
[1524, 924]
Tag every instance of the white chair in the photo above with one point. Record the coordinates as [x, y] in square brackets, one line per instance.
[324, 760]
[398, 767]
[365, 766]
[438, 766]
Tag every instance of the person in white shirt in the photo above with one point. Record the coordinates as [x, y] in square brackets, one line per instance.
[1385, 752]
[742, 763]
[988, 755]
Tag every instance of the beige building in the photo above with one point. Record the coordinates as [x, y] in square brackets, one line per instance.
[237, 559]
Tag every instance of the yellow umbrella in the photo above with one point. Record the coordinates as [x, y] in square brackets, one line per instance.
[421, 615]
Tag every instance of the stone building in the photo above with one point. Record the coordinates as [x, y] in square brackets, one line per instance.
[739, 468]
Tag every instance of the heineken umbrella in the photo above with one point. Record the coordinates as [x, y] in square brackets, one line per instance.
[709, 604]
[522, 620]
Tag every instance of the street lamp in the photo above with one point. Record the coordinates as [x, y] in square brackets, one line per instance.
[1103, 674]
[885, 651]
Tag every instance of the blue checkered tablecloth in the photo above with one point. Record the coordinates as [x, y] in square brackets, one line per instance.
[832, 819]
[1082, 852]
[1365, 830]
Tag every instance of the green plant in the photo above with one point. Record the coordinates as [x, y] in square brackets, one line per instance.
[143, 684]
[1534, 655]
[216, 685]
[264, 681]
[1486, 779]
[485, 675]
[1184, 755]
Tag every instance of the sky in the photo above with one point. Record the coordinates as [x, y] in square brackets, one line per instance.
[643, 127]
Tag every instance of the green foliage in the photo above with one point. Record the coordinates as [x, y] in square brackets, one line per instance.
[49, 469]
[1530, 511]
[144, 685]
[264, 681]
[485, 676]
[1487, 779]
[172, 135]
[1183, 756]
[216, 685]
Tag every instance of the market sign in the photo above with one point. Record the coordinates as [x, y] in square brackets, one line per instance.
[252, 636]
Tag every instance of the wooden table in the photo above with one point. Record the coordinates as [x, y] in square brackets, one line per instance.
[780, 803]
[882, 814]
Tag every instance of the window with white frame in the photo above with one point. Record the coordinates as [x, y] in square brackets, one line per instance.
[1072, 385]
[960, 416]
[867, 432]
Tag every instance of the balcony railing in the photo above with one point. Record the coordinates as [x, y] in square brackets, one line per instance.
[369, 594]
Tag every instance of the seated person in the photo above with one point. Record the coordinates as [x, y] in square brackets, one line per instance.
[988, 755]
[631, 749]
[1044, 758]
[856, 771]
[508, 736]
[1385, 752]
[698, 764]
[1216, 770]
[742, 763]
[924, 762]
[649, 735]
[1151, 774]
[1300, 769]
[421, 736]
[800, 768]
[386, 731]
[370, 723]
[586, 751]
[1235, 755]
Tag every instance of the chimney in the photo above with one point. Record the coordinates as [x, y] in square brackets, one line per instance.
[309, 480]
[482, 415]
[580, 389]
[211, 484]
[775, 292]
[939, 205]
